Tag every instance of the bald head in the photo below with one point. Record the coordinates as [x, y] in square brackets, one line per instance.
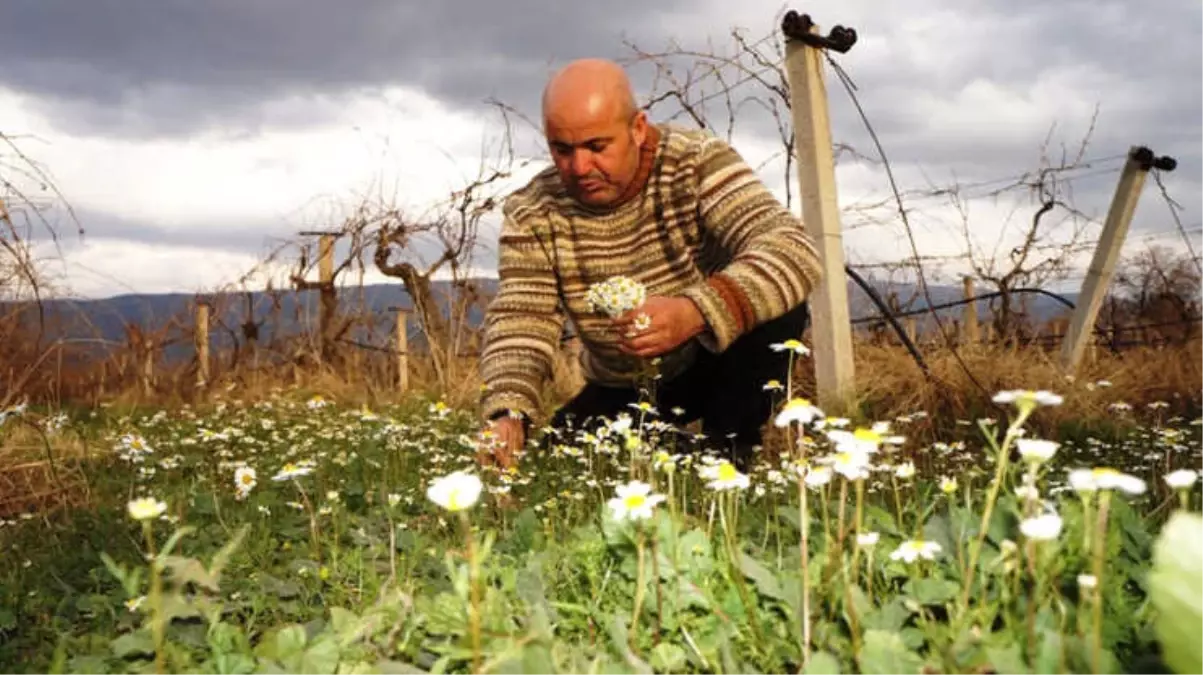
[594, 130]
[589, 88]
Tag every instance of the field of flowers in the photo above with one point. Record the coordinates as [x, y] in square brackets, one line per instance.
[298, 534]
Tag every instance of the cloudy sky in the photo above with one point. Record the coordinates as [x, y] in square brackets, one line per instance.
[193, 138]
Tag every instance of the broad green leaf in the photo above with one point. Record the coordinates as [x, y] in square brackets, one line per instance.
[280, 588]
[668, 657]
[939, 530]
[618, 639]
[885, 653]
[931, 591]
[1177, 591]
[138, 643]
[766, 583]
[290, 641]
[233, 664]
[537, 658]
[890, 617]
[1007, 659]
[1048, 656]
[321, 656]
[822, 663]
[398, 668]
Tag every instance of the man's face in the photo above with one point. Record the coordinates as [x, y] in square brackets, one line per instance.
[597, 156]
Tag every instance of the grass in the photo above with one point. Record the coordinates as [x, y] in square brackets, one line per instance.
[350, 565]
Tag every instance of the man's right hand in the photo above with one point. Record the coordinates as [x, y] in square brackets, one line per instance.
[509, 437]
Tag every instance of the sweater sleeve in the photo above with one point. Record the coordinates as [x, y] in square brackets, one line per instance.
[774, 264]
[523, 322]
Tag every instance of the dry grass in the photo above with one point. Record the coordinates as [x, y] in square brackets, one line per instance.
[889, 384]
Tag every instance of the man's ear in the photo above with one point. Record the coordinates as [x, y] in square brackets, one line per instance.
[639, 127]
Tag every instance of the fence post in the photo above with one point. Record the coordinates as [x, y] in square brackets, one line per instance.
[148, 368]
[202, 345]
[328, 301]
[969, 325]
[402, 340]
[831, 329]
[1102, 265]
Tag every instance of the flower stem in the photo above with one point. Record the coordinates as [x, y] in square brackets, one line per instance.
[474, 593]
[1001, 460]
[1100, 555]
[157, 623]
[639, 584]
[659, 593]
[736, 573]
[860, 519]
[803, 524]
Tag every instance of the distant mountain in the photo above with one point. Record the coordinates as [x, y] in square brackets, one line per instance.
[289, 312]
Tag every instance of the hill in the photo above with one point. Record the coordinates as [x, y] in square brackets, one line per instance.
[288, 312]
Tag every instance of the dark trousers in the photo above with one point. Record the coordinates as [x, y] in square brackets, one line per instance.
[726, 390]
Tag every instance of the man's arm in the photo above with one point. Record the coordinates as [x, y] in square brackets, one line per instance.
[774, 264]
[522, 324]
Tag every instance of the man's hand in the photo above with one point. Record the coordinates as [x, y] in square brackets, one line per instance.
[508, 438]
[659, 325]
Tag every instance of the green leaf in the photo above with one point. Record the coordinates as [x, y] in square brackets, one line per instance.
[618, 639]
[290, 641]
[1177, 591]
[822, 663]
[883, 652]
[890, 617]
[766, 583]
[1048, 657]
[939, 530]
[929, 591]
[668, 657]
[1007, 659]
[398, 668]
[320, 657]
[138, 643]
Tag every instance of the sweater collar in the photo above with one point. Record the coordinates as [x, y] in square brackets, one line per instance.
[647, 155]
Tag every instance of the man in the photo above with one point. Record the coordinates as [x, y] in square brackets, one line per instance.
[726, 266]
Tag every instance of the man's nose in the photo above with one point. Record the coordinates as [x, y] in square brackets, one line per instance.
[582, 162]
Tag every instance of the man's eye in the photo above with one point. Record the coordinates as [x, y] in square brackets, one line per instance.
[597, 147]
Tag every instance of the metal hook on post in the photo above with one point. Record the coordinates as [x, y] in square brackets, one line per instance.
[797, 27]
[1147, 160]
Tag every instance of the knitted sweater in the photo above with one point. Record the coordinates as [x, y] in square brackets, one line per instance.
[700, 224]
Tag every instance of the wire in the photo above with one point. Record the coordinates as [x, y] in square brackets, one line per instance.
[1173, 206]
[850, 88]
[885, 310]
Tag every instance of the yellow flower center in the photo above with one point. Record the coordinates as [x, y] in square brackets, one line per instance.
[863, 434]
[247, 479]
[792, 344]
[727, 472]
[634, 501]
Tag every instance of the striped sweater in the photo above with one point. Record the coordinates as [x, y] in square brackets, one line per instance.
[699, 223]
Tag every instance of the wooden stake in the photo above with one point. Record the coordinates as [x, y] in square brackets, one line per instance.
[202, 345]
[327, 297]
[832, 330]
[1098, 276]
[148, 369]
[402, 339]
[969, 325]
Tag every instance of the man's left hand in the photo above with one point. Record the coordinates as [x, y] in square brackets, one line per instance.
[658, 326]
